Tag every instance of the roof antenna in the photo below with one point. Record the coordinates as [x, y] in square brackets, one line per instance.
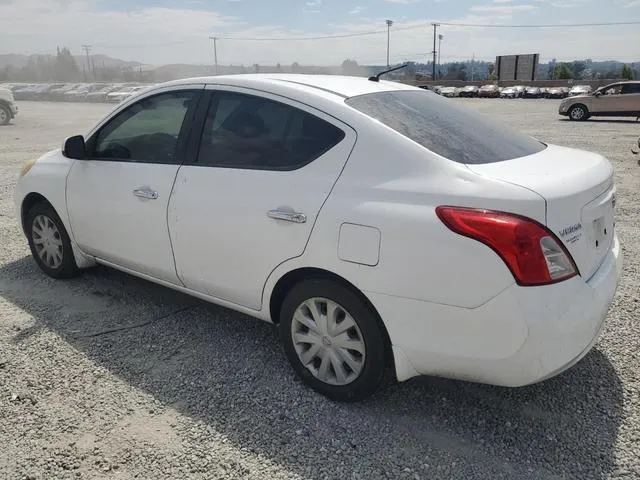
[376, 78]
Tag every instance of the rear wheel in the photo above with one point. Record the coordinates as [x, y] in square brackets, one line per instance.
[49, 242]
[333, 340]
[578, 113]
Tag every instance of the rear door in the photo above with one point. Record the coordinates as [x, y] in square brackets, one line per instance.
[250, 197]
[631, 98]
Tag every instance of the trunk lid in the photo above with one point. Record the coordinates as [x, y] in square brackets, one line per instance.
[579, 192]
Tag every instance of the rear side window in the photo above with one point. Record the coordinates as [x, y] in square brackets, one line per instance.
[631, 88]
[450, 130]
[247, 131]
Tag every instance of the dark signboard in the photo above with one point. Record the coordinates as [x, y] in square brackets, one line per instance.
[517, 67]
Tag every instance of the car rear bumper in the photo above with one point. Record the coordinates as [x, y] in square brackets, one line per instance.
[522, 336]
[13, 109]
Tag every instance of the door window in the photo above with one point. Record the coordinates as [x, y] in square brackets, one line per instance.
[246, 131]
[147, 131]
[613, 90]
[631, 88]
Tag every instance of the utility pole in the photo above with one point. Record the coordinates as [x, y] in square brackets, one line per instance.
[473, 65]
[440, 37]
[87, 49]
[435, 37]
[215, 52]
[389, 23]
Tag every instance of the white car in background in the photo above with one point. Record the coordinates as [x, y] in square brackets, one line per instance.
[449, 92]
[580, 90]
[124, 93]
[379, 225]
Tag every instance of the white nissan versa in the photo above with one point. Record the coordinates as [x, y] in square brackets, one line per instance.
[378, 224]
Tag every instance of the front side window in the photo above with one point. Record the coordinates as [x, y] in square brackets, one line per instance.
[246, 131]
[441, 126]
[612, 90]
[147, 131]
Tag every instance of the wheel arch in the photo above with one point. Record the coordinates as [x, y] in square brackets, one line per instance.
[27, 204]
[287, 281]
[580, 104]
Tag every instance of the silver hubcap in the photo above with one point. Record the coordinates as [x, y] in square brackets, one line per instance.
[47, 241]
[3, 115]
[328, 341]
[577, 113]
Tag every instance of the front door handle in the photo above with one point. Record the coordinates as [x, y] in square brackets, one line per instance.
[294, 217]
[145, 193]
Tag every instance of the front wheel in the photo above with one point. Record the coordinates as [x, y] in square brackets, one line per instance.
[5, 115]
[333, 340]
[49, 242]
[578, 113]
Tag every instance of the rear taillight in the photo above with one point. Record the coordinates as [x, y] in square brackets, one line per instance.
[534, 254]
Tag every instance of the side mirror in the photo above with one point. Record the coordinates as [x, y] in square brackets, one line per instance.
[74, 148]
[597, 93]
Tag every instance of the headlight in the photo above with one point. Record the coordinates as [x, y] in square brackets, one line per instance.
[26, 167]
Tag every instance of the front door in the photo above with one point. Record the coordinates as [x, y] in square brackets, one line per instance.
[249, 201]
[117, 198]
[608, 101]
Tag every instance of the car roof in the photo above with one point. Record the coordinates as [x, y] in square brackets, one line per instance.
[338, 85]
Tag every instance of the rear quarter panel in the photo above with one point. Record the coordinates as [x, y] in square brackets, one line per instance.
[393, 185]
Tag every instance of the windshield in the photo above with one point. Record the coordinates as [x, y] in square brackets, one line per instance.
[445, 128]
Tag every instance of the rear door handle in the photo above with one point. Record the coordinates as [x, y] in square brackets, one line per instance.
[145, 193]
[294, 217]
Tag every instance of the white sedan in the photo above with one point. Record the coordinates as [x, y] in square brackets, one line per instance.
[382, 227]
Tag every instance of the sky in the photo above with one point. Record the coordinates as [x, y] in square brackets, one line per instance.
[265, 32]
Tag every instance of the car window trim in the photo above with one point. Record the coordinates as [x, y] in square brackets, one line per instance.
[183, 134]
[214, 94]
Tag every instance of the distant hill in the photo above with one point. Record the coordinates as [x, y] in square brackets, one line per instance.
[20, 61]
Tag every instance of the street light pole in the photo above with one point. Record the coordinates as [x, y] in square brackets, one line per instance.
[215, 52]
[389, 23]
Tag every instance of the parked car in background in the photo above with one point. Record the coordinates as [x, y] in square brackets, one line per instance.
[100, 95]
[8, 106]
[489, 91]
[58, 94]
[533, 92]
[121, 95]
[580, 90]
[469, 91]
[620, 99]
[449, 92]
[520, 89]
[557, 92]
[25, 91]
[79, 93]
[509, 92]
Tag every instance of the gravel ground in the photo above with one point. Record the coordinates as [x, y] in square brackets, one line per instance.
[107, 376]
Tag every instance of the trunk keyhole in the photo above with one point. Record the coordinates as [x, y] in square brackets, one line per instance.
[605, 231]
[597, 243]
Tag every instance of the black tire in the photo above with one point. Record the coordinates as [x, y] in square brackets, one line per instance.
[373, 372]
[579, 113]
[5, 115]
[68, 267]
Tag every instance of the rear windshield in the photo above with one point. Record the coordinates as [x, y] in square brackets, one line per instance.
[440, 125]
